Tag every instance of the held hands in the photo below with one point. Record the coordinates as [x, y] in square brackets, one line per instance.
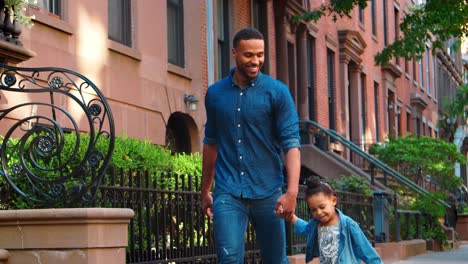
[285, 206]
[207, 204]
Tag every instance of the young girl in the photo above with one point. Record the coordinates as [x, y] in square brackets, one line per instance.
[332, 236]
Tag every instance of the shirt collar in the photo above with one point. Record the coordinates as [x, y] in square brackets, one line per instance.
[250, 83]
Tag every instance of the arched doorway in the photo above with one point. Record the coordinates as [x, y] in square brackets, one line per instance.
[181, 133]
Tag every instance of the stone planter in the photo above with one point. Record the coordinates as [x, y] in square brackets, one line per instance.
[82, 235]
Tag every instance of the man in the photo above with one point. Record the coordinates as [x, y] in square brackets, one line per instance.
[251, 118]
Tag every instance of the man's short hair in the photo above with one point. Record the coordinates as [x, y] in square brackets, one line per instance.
[246, 34]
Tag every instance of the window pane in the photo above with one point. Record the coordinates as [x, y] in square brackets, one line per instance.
[120, 21]
[175, 32]
[52, 6]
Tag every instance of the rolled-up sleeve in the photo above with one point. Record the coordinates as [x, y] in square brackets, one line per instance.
[210, 126]
[287, 121]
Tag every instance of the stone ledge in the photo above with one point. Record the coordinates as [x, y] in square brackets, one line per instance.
[65, 213]
[80, 228]
[396, 251]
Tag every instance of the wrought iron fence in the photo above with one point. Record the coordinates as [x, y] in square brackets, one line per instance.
[168, 226]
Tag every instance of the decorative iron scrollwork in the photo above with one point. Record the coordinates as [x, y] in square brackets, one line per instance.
[56, 82]
[10, 80]
[60, 136]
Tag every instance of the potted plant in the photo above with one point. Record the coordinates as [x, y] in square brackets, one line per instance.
[15, 9]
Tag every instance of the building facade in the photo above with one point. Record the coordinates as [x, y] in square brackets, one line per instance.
[147, 57]
[155, 59]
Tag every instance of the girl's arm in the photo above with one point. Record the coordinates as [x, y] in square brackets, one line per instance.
[362, 247]
[300, 226]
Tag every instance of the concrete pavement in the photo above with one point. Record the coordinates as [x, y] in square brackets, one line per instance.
[456, 256]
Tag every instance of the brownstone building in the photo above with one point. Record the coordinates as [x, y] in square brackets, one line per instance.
[155, 59]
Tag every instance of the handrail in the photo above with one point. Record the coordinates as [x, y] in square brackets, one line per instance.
[374, 161]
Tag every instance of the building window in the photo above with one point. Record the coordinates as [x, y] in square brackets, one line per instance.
[428, 76]
[421, 69]
[399, 121]
[414, 70]
[372, 3]
[120, 22]
[311, 75]
[418, 127]
[52, 6]
[223, 38]
[376, 110]
[260, 22]
[397, 28]
[408, 122]
[385, 21]
[361, 14]
[175, 32]
[292, 71]
[331, 88]
[363, 111]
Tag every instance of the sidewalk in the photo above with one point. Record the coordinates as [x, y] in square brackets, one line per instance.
[457, 256]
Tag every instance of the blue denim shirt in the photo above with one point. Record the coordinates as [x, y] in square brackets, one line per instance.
[251, 126]
[353, 246]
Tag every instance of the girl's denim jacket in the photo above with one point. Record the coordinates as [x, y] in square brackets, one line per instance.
[353, 246]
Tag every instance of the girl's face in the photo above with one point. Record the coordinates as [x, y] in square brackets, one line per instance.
[322, 207]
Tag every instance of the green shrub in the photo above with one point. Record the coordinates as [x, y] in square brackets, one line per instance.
[427, 205]
[130, 155]
[352, 183]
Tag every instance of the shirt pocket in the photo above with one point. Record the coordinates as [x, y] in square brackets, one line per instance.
[262, 112]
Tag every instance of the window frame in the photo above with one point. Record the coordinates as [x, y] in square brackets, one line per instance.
[179, 39]
[126, 37]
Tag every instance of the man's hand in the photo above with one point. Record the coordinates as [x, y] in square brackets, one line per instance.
[207, 204]
[286, 205]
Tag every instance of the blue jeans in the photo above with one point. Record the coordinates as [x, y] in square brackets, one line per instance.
[231, 217]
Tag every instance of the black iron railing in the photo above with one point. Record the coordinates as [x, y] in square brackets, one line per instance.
[323, 137]
[168, 226]
[43, 154]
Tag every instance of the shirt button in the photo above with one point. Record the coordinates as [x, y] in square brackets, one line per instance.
[241, 93]
[238, 125]
[238, 109]
[242, 173]
[240, 157]
[253, 84]
[239, 141]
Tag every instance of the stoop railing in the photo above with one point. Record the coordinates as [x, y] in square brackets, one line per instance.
[323, 136]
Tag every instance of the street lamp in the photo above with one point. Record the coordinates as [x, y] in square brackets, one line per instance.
[191, 101]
